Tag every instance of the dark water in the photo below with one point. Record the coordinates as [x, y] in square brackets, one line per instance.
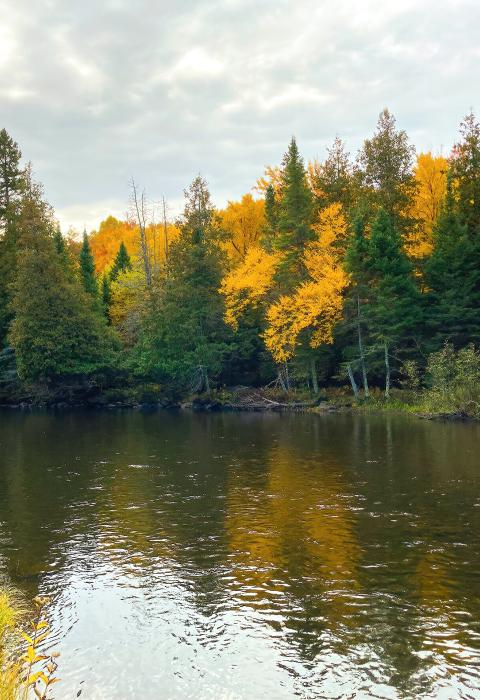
[248, 556]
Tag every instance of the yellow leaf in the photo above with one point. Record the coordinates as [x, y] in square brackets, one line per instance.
[29, 639]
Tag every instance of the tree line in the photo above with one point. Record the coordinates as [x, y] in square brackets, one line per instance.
[338, 271]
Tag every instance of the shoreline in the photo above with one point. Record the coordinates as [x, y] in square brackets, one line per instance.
[202, 404]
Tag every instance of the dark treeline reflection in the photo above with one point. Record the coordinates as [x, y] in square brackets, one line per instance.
[348, 545]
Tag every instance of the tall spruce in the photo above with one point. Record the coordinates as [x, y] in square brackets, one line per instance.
[295, 214]
[55, 333]
[394, 311]
[87, 268]
[353, 330]
[184, 335]
[465, 169]
[122, 262]
[12, 187]
[453, 279]
[385, 165]
[271, 215]
[106, 293]
[332, 180]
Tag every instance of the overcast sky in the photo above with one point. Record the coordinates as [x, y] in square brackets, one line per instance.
[96, 91]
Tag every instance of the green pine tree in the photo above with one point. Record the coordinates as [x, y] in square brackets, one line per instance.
[87, 268]
[394, 309]
[453, 279]
[295, 213]
[122, 262]
[55, 333]
[271, 214]
[106, 295]
[465, 169]
[12, 187]
[353, 331]
[184, 336]
[385, 170]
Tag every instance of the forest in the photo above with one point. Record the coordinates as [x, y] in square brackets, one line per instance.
[355, 273]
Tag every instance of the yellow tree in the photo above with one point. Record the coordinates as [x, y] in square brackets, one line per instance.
[249, 283]
[315, 306]
[128, 294]
[431, 184]
[243, 223]
[308, 315]
[111, 232]
[272, 176]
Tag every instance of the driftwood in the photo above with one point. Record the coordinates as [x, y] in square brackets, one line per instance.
[244, 399]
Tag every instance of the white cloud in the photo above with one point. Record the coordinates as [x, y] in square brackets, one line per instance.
[97, 92]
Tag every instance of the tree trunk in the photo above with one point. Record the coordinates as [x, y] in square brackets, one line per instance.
[362, 354]
[313, 371]
[352, 380]
[387, 371]
[287, 378]
[280, 379]
[140, 212]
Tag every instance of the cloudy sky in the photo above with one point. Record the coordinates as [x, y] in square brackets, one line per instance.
[98, 91]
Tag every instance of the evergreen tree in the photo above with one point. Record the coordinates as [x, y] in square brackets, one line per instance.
[295, 213]
[106, 296]
[385, 169]
[353, 331]
[12, 186]
[465, 169]
[453, 279]
[271, 214]
[122, 262]
[184, 336]
[55, 332]
[61, 250]
[87, 268]
[332, 181]
[11, 178]
[394, 311]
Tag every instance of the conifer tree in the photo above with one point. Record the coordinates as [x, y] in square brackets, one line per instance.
[12, 186]
[357, 263]
[61, 250]
[295, 213]
[106, 295]
[184, 337]
[453, 279]
[11, 178]
[55, 332]
[394, 311]
[465, 169]
[122, 262]
[386, 169]
[87, 268]
[271, 214]
[332, 180]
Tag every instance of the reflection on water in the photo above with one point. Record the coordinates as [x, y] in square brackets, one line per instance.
[248, 556]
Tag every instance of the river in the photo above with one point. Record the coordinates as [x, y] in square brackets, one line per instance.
[244, 556]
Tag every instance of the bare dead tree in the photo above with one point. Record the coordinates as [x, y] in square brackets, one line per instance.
[139, 204]
[165, 228]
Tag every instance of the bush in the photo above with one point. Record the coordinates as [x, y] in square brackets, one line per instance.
[453, 381]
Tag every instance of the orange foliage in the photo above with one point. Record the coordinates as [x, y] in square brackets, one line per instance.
[106, 241]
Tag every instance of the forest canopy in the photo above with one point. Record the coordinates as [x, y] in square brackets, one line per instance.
[351, 270]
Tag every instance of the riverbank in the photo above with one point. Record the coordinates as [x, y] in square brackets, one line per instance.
[424, 404]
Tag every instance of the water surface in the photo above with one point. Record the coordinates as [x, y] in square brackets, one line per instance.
[244, 556]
